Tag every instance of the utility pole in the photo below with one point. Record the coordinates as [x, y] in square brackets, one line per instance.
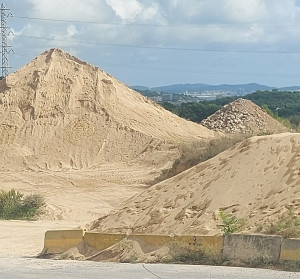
[5, 49]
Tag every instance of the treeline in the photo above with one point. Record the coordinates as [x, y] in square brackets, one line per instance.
[196, 111]
[282, 105]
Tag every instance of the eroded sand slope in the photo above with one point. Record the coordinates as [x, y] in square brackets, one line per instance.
[257, 180]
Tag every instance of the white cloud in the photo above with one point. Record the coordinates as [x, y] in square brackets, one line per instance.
[87, 10]
[219, 24]
[126, 9]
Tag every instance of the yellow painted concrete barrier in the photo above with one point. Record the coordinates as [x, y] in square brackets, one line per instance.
[150, 243]
[210, 245]
[241, 247]
[61, 241]
[290, 250]
[101, 241]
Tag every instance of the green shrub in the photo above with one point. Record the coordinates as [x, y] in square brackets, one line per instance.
[13, 205]
[231, 224]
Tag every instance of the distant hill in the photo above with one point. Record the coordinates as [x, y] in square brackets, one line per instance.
[231, 89]
[235, 89]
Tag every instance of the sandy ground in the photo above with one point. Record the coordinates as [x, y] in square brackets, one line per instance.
[26, 239]
[73, 199]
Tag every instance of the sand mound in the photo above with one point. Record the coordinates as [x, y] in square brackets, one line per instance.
[83, 140]
[257, 180]
[126, 251]
[61, 113]
[243, 116]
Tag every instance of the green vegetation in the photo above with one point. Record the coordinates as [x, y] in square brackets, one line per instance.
[14, 205]
[194, 111]
[231, 223]
[287, 226]
[283, 121]
[284, 106]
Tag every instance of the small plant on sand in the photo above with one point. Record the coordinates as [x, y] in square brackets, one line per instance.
[231, 223]
[287, 226]
[14, 205]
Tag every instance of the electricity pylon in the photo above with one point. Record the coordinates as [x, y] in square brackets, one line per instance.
[5, 48]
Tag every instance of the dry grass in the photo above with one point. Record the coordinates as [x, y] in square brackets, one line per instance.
[193, 153]
[287, 226]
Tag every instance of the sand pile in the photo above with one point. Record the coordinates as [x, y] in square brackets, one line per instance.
[60, 113]
[243, 116]
[126, 251]
[257, 180]
[82, 139]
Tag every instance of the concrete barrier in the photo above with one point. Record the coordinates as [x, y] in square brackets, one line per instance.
[101, 241]
[210, 245]
[150, 243]
[61, 241]
[233, 247]
[252, 247]
[290, 250]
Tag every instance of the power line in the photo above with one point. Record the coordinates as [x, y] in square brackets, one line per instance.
[192, 26]
[160, 47]
[193, 71]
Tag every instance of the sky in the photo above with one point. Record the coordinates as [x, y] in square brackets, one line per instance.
[163, 42]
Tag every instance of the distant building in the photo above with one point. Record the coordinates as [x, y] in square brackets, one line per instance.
[157, 99]
[167, 97]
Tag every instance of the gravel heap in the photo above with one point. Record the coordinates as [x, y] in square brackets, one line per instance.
[243, 116]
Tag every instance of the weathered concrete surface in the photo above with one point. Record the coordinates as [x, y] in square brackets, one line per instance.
[101, 241]
[252, 247]
[150, 243]
[211, 245]
[290, 250]
[61, 240]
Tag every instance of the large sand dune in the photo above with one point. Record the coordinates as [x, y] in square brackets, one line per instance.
[60, 113]
[257, 180]
[84, 140]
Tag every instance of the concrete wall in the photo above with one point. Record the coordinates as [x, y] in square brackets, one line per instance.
[251, 247]
[234, 246]
[61, 241]
[290, 250]
[211, 245]
[101, 241]
[150, 243]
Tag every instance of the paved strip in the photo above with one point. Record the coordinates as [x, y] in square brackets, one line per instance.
[20, 268]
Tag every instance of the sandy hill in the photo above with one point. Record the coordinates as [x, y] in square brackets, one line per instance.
[243, 116]
[257, 180]
[81, 138]
[58, 112]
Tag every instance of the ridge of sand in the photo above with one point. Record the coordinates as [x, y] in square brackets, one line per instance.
[257, 180]
[243, 117]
